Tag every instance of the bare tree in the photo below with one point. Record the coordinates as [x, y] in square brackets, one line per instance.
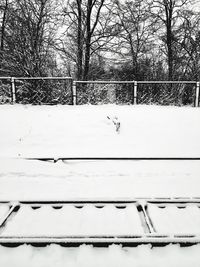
[135, 31]
[189, 41]
[88, 30]
[28, 38]
[167, 16]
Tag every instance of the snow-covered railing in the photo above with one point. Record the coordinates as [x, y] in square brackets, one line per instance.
[133, 90]
[196, 102]
[133, 83]
[148, 212]
[135, 87]
[14, 80]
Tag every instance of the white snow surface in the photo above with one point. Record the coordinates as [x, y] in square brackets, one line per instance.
[173, 219]
[3, 211]
[113, 256]
[64, 131]
[73, 221]
[85, 131]
[36, 180]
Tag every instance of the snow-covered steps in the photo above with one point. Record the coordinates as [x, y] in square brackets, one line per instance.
[138, 221]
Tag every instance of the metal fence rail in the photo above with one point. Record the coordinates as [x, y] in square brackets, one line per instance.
[151, 235]
[31, 83]
[133, 89]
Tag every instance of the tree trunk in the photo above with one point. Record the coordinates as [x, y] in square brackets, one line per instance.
[79, 42]
[3, 26]
[169, 42]
[88, 40]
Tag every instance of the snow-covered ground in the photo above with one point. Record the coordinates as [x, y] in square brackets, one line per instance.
[37, 180]
[87, 131]
[64, 131]
[87, 256]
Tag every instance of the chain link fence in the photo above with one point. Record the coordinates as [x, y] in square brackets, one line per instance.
[104, 92]
[37, 90]
[165, 93]
[63, 90]
[176, 93]
[5, 90]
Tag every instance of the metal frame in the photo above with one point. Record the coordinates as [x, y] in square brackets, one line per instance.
[150, 235]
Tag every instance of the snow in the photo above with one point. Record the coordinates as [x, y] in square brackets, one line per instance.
[56, 131]
[86, 131]
[87, 256]
[74, 221]
[36, 180]
[172, 219]
[3, 211]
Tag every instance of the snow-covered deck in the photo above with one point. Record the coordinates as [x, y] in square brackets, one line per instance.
[88, 131]
[73, 180]
[138, 221]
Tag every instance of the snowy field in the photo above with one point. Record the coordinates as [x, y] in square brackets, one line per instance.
[91, 131]
[86, 131]
[37, 180]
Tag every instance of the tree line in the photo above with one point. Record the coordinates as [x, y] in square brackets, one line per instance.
[100, 39]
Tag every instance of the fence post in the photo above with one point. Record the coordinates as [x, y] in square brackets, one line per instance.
[197, 95]
[74, 95]
[13, 90]
[135, 93]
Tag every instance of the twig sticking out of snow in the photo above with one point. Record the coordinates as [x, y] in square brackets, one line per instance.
[116, 123]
